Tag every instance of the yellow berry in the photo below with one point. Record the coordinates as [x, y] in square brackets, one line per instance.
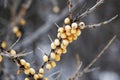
[18, 71]
[53, 64]
[75, 37]
[74, 25]
[15, 29]
[36, 76]
[59, 51]
[40, 75]
[48, 66]
[53, 46]
[82, 25]
[78, 32]
[22, 62]
[70, 39]
[26, 71]
[58, 35]
[67, 27]
[63, 35]
[67, 21]
[45, 58]
[18, 34]
[41, 71]
[1, 58]
[12, 52]
[57, 42]
[45, 79]
[56, 9]
[52, 55]
[68, 33]
[4, 45]
[57, 58]
[63, 46]
[64, 51]
[22, 22]
[27, 65]
[65, 42]
[73, 31]
[61, 30]
[27, 79]
[32, 71]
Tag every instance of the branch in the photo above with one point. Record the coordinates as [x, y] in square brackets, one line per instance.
[91, 9]
[102, 23]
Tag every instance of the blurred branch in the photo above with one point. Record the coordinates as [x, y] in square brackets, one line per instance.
[102, 23]
[91, 9]
[98, 56]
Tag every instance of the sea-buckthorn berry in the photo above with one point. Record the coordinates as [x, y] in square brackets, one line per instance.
[36, 76]
[57, 58]
[67, 27]
[78, 32]
[26, 71]
[22, 62]
[4, 45]
[22, 22]
[58, 35]
[32, 71]
[63, 35]
[45, 79]
[82, 25]
[53, 64]
[53, 46]
[52, 55]
[27, 79]
[41, 71]
[18, 34]
[57, 42]
[59, 51]
[12, 52]
[40, 75]
[74, 25]
[48, 66]
[61, 29]
[15, 29]
[73, 31]
[68, 33]
[27, 65]
[1, 58]
[67, 21]
[65, 42]
[45, 58]
[63, 46]
[64, 51]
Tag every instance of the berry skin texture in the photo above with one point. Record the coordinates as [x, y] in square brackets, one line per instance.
[67, 21]
[27, 65]
[45, 58]
[36, 76]
[40, 75]
[53, 64]
[61, 30]
[27, 71]
[1, 58]
[22, 62]
[48, 66]
[57, 58]
[67, 28]
[65, 42]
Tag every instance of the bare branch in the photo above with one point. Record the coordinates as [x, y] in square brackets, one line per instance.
[91, 9]
[102, 23]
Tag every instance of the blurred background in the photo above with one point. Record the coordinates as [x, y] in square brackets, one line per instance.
[40, 17]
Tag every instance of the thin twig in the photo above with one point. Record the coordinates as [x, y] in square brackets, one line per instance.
[98, 56]
[91, 9]
[102, 23]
